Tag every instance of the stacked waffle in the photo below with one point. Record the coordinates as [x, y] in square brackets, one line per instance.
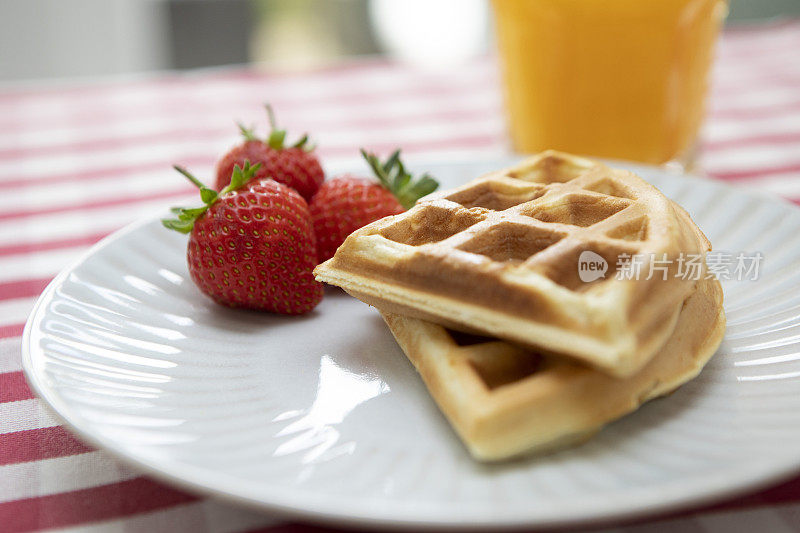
[540, 302]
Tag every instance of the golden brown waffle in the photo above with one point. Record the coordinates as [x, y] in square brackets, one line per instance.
[499, 256]
[504, 400]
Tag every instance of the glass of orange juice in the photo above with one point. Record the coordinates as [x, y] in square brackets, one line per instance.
[623, 79]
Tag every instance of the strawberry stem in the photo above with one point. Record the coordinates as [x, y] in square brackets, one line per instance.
[393, 176]
[276, 138]
[189, 176]
[273, 124]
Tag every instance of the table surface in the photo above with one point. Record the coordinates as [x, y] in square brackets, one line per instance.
[80, 160]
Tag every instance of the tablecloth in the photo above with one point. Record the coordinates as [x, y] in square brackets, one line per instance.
[80, 159]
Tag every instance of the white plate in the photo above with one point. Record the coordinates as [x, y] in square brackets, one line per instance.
[323, 417]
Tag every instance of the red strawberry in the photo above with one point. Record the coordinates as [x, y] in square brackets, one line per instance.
[296, 166]
[346, 203]
[252, 245]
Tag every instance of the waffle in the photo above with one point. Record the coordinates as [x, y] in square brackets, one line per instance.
[504, 400]
[499, 256]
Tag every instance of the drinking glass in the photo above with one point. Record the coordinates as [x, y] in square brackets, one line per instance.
[622, 79]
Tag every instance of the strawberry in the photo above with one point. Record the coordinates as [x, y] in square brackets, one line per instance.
[296, 166]
[252, 244]
[346, 203]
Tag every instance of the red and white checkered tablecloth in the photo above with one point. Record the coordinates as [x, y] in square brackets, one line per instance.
[79, 161]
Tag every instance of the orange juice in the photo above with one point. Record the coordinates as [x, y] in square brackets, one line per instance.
[614, 78]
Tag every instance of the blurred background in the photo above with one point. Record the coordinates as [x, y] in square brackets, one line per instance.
[77, 38]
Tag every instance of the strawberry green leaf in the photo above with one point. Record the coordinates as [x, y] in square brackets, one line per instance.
[190, 214]
[391, 161]
[393, 176]
[207, 195]
[377, 168]
[240, 176]
[247, 133]
[301, 143]
[401, 177]
[186, 217]
[183, 226]
[417, 189]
